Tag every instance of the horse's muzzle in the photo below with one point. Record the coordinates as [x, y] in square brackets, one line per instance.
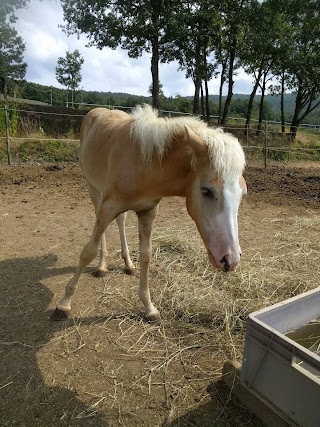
[229, 262]
[226, 265]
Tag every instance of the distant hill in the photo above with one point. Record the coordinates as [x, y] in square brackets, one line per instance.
[23, 101]
[272, 100]
[32, 92]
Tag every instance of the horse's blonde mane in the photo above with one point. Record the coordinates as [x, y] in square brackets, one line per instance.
[155, 134]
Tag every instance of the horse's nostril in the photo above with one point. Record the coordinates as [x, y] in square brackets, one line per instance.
[226, 264]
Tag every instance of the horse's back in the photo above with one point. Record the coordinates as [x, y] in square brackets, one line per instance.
[99, 128]
[99, 118]
[101, 131]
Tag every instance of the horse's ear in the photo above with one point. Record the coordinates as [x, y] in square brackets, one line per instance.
[196, 145]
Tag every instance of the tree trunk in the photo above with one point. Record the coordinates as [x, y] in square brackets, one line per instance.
[283, 124]
[2, 86]
[207, 100]
[303, 107]
[295, 120]
[196, 97]
[202, 100]
[251, 100]
[293, 129]
[205, 108]
[230, 88]
[197, 77]
[263, 91]
[222, 80]
[155, 92]
[155, 73]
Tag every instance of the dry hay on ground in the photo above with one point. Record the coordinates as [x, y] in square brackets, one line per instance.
[106, 366]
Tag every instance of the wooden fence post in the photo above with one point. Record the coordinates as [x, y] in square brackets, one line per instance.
[247, 134]
[265, 143]
[7, 133]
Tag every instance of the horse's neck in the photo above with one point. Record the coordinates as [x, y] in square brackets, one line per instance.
[170, 176]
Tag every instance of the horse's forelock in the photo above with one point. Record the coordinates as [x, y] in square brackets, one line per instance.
[226, 155]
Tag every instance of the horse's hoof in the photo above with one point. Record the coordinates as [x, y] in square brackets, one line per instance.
[59, 314]
[129, 271]
[153, 318]
[99, 273]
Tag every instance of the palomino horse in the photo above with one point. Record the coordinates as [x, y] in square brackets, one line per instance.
[131, 161]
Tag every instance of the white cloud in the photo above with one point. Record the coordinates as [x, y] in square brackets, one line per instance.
[243, 80]
[174, 81]
[103, 70]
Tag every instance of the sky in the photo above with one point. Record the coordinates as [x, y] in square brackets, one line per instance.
[103, 70]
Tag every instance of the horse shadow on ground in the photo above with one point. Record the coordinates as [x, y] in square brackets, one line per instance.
[222, 410]
[25, 398]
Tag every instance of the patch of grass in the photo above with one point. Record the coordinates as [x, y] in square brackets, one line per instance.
[45, 150]
[279, 155]
[305, 148]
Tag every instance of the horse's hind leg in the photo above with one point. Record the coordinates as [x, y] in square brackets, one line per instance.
[105, 215]
[146, 220]
[121, 220]
[95, 197]
[102, 268]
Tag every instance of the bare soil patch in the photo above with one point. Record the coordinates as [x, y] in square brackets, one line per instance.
[106, 366]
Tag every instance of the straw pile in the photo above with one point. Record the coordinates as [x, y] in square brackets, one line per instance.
[204, 311]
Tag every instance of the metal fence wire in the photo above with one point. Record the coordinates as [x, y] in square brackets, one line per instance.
[266, 144]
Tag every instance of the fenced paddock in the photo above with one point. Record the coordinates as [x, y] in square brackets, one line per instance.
[22, 129]
[106, 366]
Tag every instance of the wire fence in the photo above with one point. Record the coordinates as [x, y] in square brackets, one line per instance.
[20, 126]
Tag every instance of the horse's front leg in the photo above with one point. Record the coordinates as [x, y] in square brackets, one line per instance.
[146, 220]
[105, 215]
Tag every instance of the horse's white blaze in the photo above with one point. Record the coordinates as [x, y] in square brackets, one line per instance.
[224, 242]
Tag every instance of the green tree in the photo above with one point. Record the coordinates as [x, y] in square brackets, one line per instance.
[68, 71]
[297, 63]
[304, 58]
[134, 26]
[12, 47]
[182, 104]
[12, 66]
[8, 7]
[189, 41]
[161, 93]
[259, 50]
[234, 16]
[282, 52]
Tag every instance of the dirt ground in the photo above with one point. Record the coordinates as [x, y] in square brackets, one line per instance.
[106, 366]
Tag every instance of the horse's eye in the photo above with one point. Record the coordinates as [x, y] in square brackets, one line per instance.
[207, 192]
